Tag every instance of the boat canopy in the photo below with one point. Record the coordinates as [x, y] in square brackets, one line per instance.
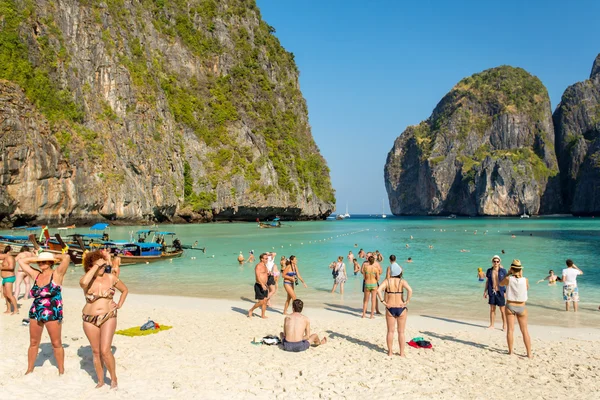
[148, 245]
[118, 243]
[144, 231]
[87, 235]
[275, 219]
[100, 226]
[166, 233]
[13, 237]
[126, 243]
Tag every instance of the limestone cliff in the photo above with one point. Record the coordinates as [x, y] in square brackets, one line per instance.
[152, 110]
[487, 149]
[577, 125]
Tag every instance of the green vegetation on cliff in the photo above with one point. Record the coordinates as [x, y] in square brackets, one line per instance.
[513, 89]
[55, 102]
[232, 84]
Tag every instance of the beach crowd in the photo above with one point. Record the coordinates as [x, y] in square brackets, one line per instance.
[505, 290]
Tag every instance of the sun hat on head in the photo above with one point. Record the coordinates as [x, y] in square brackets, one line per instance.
[45, 256]
[516, 264]
[496, 256]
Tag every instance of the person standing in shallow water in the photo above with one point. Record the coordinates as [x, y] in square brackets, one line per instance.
[494, 291]
[516, 298]
[570, 290]
[371, 274]
[340, 277]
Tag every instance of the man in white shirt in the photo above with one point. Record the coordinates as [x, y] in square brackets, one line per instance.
[570, 291]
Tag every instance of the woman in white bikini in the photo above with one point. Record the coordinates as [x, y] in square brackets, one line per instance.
[100, 311]
[516, 297]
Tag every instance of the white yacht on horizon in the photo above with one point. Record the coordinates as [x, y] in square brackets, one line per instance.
[382, 209]
[346, 215]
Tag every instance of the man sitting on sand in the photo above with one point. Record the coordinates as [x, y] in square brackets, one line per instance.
[296, 335]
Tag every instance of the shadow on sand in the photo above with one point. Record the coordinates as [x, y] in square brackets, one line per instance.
[464, 342]
[47, 354]
[359, 342]
[87, 362]
[453, 321]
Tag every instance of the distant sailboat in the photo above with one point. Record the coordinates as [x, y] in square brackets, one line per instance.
[346, 215]
[382, 209]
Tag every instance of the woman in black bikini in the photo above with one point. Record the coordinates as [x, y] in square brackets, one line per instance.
[100, 312]
[396, 306]
[291, 275]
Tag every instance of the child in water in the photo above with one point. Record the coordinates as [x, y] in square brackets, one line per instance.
[480, 275]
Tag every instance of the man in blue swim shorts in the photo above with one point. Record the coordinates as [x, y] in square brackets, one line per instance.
[296, 335]
[7, 264]
[494, 292]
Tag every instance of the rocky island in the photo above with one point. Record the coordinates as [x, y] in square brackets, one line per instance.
[152, 110]
[489, 149]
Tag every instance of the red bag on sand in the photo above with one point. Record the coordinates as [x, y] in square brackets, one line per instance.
[418, 345]
[156, 326]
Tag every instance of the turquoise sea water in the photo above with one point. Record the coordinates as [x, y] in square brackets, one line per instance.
[443, 278]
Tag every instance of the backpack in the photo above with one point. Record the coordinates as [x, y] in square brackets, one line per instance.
[334, 271]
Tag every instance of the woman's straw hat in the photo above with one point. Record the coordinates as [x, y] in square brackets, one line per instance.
[45, 256]
[516, 264]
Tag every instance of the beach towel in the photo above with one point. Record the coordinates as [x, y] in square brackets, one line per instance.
[137, 331]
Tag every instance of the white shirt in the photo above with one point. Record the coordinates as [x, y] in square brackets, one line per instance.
[270, 264]
[570, 275]
[517, 289]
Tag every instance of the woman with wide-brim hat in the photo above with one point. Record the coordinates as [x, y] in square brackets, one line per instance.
[47, 307]
[516, 298]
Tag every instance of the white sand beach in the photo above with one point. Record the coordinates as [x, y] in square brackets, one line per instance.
[209, 355]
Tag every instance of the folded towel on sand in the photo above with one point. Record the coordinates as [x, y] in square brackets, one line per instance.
[136, 331]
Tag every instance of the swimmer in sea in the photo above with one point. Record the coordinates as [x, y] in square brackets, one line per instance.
[356, 267]
[480, 274]
[551, 278]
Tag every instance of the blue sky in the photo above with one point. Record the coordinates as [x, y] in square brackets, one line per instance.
[369, 69]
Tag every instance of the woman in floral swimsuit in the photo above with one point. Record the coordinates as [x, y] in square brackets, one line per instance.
[46, 309]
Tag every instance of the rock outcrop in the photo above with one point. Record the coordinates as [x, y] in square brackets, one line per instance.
[487, 149]
[577, 125]
[152, 111]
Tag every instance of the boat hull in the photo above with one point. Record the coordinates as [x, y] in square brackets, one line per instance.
[146, 259]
